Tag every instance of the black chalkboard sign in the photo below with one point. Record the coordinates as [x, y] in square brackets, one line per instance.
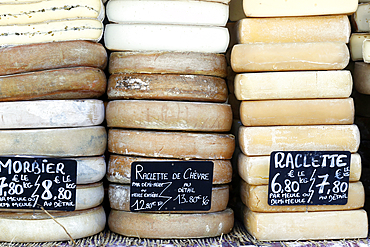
[171, 186]
[309, 178]
[29, 183]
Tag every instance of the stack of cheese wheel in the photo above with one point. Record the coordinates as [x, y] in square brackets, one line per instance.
[299, 101]
[168, 103]
[50, 73]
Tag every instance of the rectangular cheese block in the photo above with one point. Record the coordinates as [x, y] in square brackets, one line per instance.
[264, 140]
[255, 197]
[293, 29]
[289, 56]
[366, 50]
[293, 85]
[355, 45]
[255, 169]
[360, 19]
[344, 224]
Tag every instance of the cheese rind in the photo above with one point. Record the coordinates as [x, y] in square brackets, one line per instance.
[289, 56]
[294, 29]
[89, 195]
[366, 50]
[264, 140]
[360, 19]
[297, 112]
[90, 169]
[177, 225]
[361, 77]
[355, 45]
[180, 145]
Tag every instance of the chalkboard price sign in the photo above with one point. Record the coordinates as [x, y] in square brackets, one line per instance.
[171, 186]
[309, 178]
[29, 183]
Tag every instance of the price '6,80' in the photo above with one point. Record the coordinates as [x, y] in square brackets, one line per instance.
[290, 186]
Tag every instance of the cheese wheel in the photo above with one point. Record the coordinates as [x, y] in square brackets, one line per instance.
[255, 169]
[177, 225]
[167, 87]
[89, 195]
[63, 142]
[119, 169]
[156, 37]
[289, 56]
[355, 45]
[39, 227]
[269, 8]
[169, 115]
[179, 145]
[366, 50]
[52, 31]
[188, 63]
[264, 140]
[360, 19]
[297, 112]
[293, 85]
[168, 12]
[344, 224]
[361, 77]
[119, 199]
[255, 197]
[43, 56]
[294, 29]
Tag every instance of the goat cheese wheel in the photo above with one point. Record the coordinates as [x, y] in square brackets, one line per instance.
[355, 45]
[360, 19]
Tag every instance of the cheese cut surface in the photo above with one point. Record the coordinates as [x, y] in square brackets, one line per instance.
[289, 56]
[51, 113]
[360, 19]
[255, 169]
[269, 8]
[294, 29]
[293, 85]
[177, 225]
[155, 37]
[344, 224]
[119, 169]
[366, 50]
[68, 83]
[44, 56]
[264, 140]
[361, 77]
[119, 199]
[297, 112]
[168, 12]
[179, 145]
[167, 87]
[63, 30]
[39, 227]
[62, 142]
[256, 199]
[355, 45]
[187, 63]
[169, 115]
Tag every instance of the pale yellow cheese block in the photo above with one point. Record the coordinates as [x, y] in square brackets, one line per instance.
[269, 8]
[255, 197]
[264, 140]
[360, 19]
[297, 112]
[188, 63]
[294, 29]
[119, 199]
[355, 45]
[177, 226]
[59, 142]
[179, 145]
[169, 115]
[289, 56]
[361, 77]
[344, 224]
[293, 85]
[167, 87]
[39, 227]
[119, 169]
[255, 169]
[366, 50]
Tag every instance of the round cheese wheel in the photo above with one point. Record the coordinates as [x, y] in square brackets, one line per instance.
[156, 37]
[188, 63]
[39, 227]
[169, 115]
[119, 169]
[43, 56]
[167, 87]
[63, 142]
[119, 199]
[171, 225]
[180, 145]
[355, 45]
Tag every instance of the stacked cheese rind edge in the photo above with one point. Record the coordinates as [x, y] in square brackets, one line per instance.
[167, 97]
[289, 59]
[50, 78]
